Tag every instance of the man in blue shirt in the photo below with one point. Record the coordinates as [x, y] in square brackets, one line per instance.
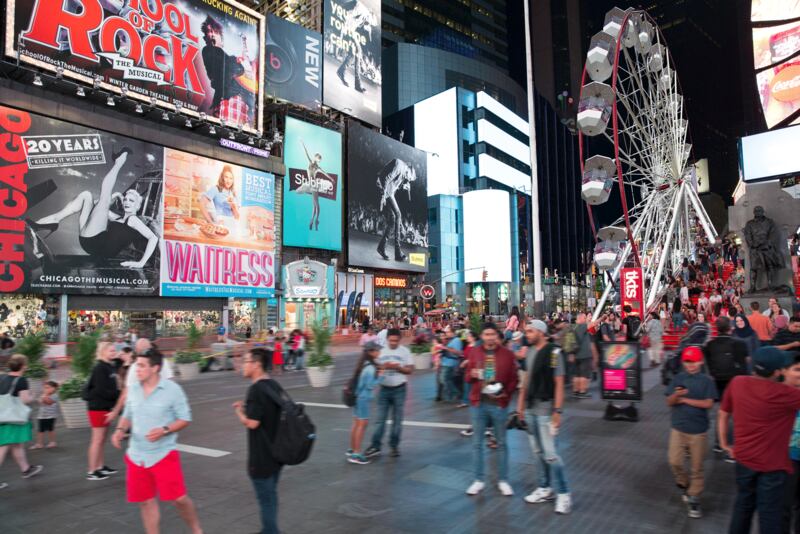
[156, 409]
[691, 395]
[449, 362]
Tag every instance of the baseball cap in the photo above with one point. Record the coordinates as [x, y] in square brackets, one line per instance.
[372, 345]
[769, 359]
[539, 325]
[692, 354]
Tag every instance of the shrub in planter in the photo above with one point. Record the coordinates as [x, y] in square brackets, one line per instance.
[73, 409]
[33, 347]
[421, 353]
[319, 366]
[83, 354]
[188, 363]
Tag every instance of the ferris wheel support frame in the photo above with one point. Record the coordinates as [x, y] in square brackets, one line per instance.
[652, 291]
[705, 221]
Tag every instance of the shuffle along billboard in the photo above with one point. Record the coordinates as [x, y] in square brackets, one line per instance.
[352, 58]
[312, 190]
[294, 63]
[88, 212]
[206, 56]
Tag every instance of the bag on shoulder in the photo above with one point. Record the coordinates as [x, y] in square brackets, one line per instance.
[349, 393]
[296, 434]
[12, 410]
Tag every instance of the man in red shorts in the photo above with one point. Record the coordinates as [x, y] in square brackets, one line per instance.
[156, 409]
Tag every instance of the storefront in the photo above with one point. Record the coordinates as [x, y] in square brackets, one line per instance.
[26, 314]
[394, 297]
[354, 295]
[307, 295]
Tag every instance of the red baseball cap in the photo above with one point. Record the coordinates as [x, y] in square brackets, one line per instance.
[692, 354]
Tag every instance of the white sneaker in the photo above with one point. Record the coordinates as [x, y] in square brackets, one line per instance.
[475, 488]
[563, 503]
[505, 488]
[540, 495]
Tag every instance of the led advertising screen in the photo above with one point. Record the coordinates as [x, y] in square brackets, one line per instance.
[436, 132]
[387, 206]
[219, 228]
[776, 53]
[82, 209]
[770, 154]
[294, 63]
[352, 67]
[487, 240]
[312, 189]
[621, 371]
[204, 56]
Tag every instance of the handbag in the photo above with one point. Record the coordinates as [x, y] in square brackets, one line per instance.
[12, 410]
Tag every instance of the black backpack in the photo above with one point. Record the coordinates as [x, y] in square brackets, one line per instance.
[296, 434]
[634, 327]
[349, 392]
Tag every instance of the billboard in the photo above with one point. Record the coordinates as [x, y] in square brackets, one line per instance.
[387, 206]
[776, 43]
[770, 154]
[82, 209]
[487, 240]
[294, 63]
[436, 132]
[352, 67]
[204, 56]
[312, 190]
[219, 228]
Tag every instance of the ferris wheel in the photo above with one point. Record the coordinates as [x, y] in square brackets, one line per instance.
[632, 110]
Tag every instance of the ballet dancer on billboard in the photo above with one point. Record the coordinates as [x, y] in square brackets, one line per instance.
[314, 185]
[102, 233]
[394, 176]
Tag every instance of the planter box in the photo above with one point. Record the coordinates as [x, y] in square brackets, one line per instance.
[320, 377]
[74, 413]
[188, 371]
[422, 361]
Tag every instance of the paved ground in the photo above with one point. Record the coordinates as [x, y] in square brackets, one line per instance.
[617, 471]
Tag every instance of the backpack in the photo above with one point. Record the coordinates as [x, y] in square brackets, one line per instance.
[634, 327]
[296, 434]
[349, 393]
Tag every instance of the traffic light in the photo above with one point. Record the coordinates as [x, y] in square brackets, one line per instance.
[485, 275]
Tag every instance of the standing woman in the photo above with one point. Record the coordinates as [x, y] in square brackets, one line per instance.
[366, 377]
[512, 324]
[102, 394]
[743, 331]
[654, 331]
[14, 436]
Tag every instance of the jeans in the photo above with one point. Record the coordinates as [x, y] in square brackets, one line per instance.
[299, 357]
[543, 443]
[791, 506]
[484, 415]
[447, 378]
[394, 398]
[761, 491]
[267, 495]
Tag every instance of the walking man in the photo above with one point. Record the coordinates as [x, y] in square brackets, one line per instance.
[542, 393]
[584, 358]
[449, 361]
[492, 375]
[155, 411]
[396, 363]
[260, 415]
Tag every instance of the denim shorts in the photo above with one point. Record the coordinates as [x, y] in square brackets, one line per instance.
[361, 409]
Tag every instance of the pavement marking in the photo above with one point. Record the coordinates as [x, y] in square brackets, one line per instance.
[202, 451]
[323, 405]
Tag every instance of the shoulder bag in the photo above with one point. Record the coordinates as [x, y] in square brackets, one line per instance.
[12, 410]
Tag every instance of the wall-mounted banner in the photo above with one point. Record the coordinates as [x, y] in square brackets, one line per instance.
[204, 56]
[353, 58]
[219, 228]
[387, 206]
[312, 189]
[632, 285]
[294, 63]
[82, 209]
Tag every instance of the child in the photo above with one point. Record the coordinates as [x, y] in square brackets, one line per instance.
[690, 394]
[48, 411]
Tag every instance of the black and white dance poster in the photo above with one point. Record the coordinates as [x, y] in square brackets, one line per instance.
[352, 69]
[81, 211]
[387, 206]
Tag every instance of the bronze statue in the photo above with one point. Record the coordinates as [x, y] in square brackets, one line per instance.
[763, 240]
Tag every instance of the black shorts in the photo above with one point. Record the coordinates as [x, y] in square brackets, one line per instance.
[583, 368]
[47, 425]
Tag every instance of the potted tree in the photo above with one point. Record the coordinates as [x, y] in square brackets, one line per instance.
[73, 407]
[187, 362]
[319, 366]
[33, 347]
[421, 351]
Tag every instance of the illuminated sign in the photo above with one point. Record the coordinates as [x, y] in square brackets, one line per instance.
[427, 292]
[632, 290]
[487, 240]
[391, 281]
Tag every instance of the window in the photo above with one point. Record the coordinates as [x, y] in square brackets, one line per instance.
[458, 263]
[432, 217]
[455, 230]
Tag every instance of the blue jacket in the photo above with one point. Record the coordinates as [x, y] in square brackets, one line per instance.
[367, 381]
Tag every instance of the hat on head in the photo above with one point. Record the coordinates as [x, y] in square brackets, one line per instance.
[769, 359]
[516, 335]
[692, 354]
[372, 345]
[541, 326]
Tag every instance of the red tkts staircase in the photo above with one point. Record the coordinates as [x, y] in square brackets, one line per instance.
[671, 338]
[727, 270]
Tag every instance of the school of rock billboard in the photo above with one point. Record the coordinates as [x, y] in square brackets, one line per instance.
[205, 57]
[387, 206]
[352, 68]
[294, 63]
[89, 212]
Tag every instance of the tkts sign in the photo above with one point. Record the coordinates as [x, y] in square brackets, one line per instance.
[632, 286]
[204, 56]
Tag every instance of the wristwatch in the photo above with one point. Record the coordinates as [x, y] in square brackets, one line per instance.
[165, 428]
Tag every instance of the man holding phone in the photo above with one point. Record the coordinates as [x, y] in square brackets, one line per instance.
[691, 395]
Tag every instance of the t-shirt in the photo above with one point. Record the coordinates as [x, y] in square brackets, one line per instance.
[222, 207]
[557, 362]
[584, 341]
[401, 355]
[763, 416]
[8, 380]
[259, 406]
[761, 325]
[49, 411]
[448, 358]
[691, 419]
[130, 376]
